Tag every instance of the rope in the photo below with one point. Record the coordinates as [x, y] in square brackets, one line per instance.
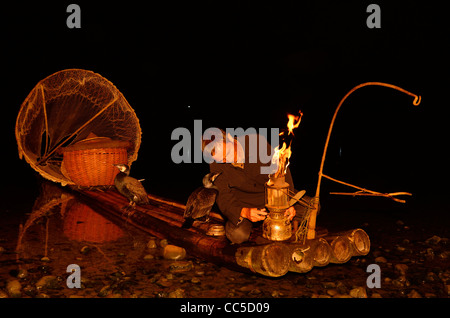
[302, 231]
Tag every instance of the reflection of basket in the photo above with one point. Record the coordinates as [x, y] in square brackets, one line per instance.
[81, 223]
[90, 162]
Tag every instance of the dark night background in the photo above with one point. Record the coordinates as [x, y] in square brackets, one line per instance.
[248, 64]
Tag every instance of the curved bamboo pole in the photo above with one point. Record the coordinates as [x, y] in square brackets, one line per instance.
[312, 221]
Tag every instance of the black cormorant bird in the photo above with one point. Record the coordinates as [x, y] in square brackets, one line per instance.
[129, 187]
[201, 201]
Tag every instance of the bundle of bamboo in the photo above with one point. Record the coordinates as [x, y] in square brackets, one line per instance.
[163, 218]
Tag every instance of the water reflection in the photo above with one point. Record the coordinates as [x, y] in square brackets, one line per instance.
[60, 210]
[82, 223]
[117, 260]
[60, 231]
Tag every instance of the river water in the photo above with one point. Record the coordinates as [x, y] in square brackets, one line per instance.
[116, 260]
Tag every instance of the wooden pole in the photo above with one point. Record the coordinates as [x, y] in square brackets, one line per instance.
[367, 192]
[313, 215]
[56, 147]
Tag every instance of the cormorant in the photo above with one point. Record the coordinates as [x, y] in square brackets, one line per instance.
[129, 187]
[201, 201]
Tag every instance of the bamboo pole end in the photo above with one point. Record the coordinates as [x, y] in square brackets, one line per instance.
[311, 235]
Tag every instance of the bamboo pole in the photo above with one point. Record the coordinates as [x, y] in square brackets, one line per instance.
[172, 212]
[56, 147]
[366, 191]
[269, 260]
[44, 107]
[301, 259]
[349, 243]
[304, 257]
[313, 216]
[181, 206]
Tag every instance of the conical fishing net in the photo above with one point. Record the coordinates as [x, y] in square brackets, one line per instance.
[67, 107]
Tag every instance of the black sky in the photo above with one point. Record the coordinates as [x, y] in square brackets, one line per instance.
[247, 64]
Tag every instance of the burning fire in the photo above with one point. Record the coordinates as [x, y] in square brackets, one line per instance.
[292, 124]
[281, 156]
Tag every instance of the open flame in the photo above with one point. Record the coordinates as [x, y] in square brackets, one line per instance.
[281, 155]
[294, 122]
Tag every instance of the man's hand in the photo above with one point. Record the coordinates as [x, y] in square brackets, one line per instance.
[254, 214]
[290, 213]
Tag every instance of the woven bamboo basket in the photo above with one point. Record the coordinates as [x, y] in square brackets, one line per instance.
[63, 109]
[91, 162]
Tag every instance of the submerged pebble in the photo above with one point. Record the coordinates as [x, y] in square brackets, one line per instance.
[181, 266]
[23, 273]
[30, 290]
[431, 277]
[329, 285]
[401, 281]
[178, 293]
[433, 240]
[45, 259]
[401, 268]
[444, 255]
[163, 282]
[105, 291]
[47, 282]
[13, 287]
[276, 294]
[380, 259]
[414, 294]
[254, 292]
[341, 288]
[149, 257]
[332, 292]
[174, 252]
[152, 244]
[358, 292]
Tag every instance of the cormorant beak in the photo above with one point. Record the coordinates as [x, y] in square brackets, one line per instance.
[119, 166]
[214, 177]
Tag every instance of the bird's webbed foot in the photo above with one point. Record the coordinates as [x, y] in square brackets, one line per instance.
[203, 219]
[129, 209]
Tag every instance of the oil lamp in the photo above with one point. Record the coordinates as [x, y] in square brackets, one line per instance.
[277, 227]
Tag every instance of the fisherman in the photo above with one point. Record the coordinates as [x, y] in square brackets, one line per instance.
[241, 185]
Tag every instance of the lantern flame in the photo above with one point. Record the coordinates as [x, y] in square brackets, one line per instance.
[281, 159]
[294, 122]
[281, 155]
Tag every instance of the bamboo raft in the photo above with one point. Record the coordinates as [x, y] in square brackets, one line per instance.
[163, 218]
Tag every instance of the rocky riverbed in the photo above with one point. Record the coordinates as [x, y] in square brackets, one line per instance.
[413, 258]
